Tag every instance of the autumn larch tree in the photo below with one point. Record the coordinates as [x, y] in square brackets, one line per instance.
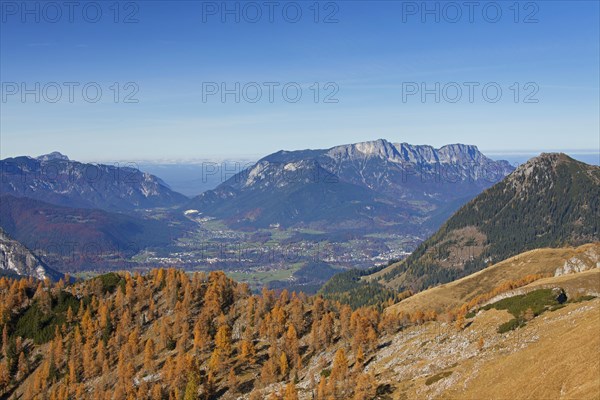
[365, 387]
[149, 355]
[339, 373]
[223, 340]
[290, 392]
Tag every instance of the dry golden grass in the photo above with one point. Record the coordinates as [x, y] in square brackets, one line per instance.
[454, 294]
[587, 282]
[563, 364]
[555, 356]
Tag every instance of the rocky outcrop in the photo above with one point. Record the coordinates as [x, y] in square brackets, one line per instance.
[582, 262]
[16, 259]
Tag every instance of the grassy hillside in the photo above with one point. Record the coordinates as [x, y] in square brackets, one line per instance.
[539, 261]
[554, 356]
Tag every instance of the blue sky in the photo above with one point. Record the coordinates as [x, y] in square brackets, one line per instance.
[371, 58]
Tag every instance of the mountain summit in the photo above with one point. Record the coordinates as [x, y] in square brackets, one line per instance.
[54, 156]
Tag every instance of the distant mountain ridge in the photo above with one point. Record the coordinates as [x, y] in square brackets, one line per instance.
[56, 179]
[550, 201]
[368, 184]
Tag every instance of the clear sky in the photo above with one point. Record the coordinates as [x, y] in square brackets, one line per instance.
[374, 58]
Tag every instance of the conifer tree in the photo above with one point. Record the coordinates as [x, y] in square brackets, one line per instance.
[149, 355]
[191, 389]
[290, 392]
[283, 365]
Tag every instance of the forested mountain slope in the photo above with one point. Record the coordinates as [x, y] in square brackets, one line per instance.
[550, 201]
[171, 335]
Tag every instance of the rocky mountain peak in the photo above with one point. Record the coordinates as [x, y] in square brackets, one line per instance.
[453, 153]
[549, 201]
[540, 167]
[549, 169]
[54, 156]
[380, 148]
[552, 158]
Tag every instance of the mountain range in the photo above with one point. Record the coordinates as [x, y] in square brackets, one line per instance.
[369, 185]
[51, 202]
[55, 179]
